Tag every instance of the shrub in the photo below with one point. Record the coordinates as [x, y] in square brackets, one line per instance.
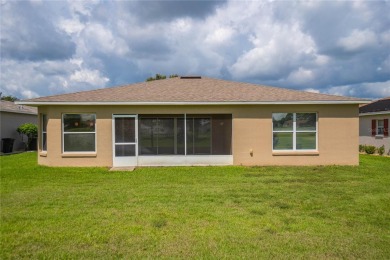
[30, 130]
[362, 148]
[370, 149]
[381, 150]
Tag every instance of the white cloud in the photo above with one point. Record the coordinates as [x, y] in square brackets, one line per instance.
[365, 90]
[273, 56]
[358, 40]
[101, 39]
[71, 26]
[301, 76]
[92, 77]
[312, 90]
[29, 94]
[220, 36]
[59, 47]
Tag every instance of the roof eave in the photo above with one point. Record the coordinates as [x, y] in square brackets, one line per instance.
[113, 103]
[19, 112]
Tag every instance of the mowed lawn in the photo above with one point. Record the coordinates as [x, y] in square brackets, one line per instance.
[195, 212]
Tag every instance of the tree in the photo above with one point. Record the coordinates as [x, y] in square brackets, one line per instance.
[161, 76]
[8, 98]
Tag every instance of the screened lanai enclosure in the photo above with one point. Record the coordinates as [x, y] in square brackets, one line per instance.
[185, 135]
[142, 139]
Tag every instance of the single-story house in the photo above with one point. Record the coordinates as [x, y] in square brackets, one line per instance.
[374, 123]
[197, 121]
[12, 116]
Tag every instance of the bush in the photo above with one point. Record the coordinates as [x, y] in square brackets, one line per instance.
[30, 130]
[362, 148]
[381, 150]
[370, 149]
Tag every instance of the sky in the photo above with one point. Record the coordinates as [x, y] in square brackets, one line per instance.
[332, 47]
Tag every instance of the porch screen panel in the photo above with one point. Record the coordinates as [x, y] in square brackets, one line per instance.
[124, 150]
[125, 130]
[161, 135]
[222, 135]
[209, 134]
[147, 136]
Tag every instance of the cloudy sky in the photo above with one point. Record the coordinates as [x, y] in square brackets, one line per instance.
[336, 47]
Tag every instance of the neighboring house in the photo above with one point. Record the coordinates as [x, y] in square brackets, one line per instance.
[12, 116]
[374, 123]
[197, 121]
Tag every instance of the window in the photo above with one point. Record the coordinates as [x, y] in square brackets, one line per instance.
[79, 134]
[380, 127]
[294, 131]
[196, 135]
[44, 132]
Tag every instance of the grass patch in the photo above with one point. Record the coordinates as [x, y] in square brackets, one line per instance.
[195, 212]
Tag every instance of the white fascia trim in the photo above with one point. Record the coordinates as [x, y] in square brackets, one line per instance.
[375, 113]
[90, 103]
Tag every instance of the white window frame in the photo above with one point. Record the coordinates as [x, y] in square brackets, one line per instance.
[294, 131]
[63, 134]
[43, 131]
[377, 127]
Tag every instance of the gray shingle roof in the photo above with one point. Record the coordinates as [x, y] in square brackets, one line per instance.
[8, 106]
[191, 90]
[381, 105]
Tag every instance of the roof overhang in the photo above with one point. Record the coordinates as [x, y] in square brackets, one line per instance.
[19, 112]
[375, 113]
[119, 103]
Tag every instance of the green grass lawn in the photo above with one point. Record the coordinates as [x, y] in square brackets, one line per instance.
[195, 212]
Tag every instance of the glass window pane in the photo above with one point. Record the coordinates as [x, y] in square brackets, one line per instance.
[306, 121]
[283, 141]
[202, 136]
[79, 122]
[166, 138]
[147, 135]
[44, 145]
[306, 141]
[282, 121]
[124, 150]
[44, 122]
[79, 142]
[125, 130]
[380, 128]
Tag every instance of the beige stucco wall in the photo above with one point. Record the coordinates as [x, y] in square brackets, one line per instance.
[365, 132]
[338, 129]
